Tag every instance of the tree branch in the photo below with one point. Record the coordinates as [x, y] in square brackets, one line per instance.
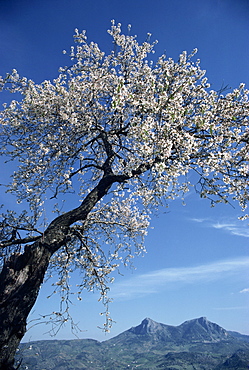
[8, 243]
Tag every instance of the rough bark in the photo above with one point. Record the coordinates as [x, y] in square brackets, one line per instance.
[20, 280]
[22, 274]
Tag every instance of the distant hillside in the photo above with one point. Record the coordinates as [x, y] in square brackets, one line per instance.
[239, 336]
[194, 345]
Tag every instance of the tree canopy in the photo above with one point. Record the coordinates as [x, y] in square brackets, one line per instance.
[122, 133]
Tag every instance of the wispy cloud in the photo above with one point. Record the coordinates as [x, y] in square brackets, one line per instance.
[156, 281]
[199, 220]
[234, 227]
[246, 290]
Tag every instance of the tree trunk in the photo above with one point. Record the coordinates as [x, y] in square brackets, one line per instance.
[23, 274]
[20, 281]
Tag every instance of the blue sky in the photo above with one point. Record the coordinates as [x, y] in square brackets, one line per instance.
[197, 257]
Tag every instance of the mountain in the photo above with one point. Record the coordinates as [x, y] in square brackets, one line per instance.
[190, 331]
[195, 344]
[202, 330]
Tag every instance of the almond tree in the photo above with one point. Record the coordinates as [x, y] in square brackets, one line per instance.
[122, 133]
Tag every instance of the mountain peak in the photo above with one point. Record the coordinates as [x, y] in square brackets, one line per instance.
[147, 326]
[202, 329]
[152, 330]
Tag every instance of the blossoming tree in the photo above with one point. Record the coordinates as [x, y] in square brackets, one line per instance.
[122, 133]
